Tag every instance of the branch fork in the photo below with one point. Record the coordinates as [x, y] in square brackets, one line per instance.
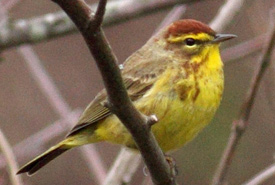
[151, 120]
[240, 126]
[119, 102]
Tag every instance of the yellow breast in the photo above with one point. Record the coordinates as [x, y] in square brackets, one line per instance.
[185, 99]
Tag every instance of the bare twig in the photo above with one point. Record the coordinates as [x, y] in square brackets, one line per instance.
[243, 49]
[117, 174]
[10, 158]
[57, 128]
[120, 104]
[226, 14]
[52, 25]
[100, 11]
[35, 143]
[250, 46]
[262, 176]
[55, 98]
[175, 14]
[123, 169]
[239, 126]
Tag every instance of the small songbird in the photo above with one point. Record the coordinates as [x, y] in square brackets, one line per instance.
[177, 76]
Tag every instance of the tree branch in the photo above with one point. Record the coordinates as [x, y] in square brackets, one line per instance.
[57, 128]
[175, 14]
[243, 49]
[119, 173]
[56, 100]
[239, 126]
[40, 138]
[226, 14]
[262, 176]
[60, 106]
[29, 31]
[98, 18]
[119, 102]
[10, 158]
[123, 169]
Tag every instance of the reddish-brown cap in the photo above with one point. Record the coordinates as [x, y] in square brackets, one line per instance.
[189, 26]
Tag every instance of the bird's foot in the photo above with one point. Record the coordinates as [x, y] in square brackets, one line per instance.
[172, 163]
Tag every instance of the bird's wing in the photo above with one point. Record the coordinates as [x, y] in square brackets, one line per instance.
[96, 110]
[137, 84]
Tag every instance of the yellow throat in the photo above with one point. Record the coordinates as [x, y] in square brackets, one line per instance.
[184, 98]
[177, 75]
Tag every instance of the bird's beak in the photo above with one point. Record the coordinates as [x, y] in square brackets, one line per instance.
[223, 37]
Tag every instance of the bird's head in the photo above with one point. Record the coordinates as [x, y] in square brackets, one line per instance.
[192, 37]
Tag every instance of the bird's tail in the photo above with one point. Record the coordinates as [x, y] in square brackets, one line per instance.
[67, 144]
[43, 159]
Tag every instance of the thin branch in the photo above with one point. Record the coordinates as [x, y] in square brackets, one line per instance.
[117, 174]
[57, 128]
[98, 18]
[55, 99]
[226, 14]
[44, 81]
[262, 176]
[123, 168]
[175, 14]
[243, 49]
[11, 160]
[119, 102]
[29, 31]
[35, 143]
[239, 126]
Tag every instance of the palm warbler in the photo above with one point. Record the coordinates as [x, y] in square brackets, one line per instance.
[177, 75]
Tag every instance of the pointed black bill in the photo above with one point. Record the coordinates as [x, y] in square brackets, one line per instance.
[223, 37]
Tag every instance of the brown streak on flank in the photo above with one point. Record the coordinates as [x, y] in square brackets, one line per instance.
[197, 89]
[188, 26]
[192, 68]
[187, 67]
[197, 92]
[195, 66]
[182, 89]
[183, 93]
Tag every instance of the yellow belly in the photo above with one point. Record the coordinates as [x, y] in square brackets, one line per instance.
[180, 118]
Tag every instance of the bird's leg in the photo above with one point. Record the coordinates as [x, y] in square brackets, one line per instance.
[172, 163]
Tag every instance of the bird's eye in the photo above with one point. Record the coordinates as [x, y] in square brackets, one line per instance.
[190, 42]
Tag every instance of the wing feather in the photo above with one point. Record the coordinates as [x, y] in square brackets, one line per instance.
[96, 110]
[138, 78]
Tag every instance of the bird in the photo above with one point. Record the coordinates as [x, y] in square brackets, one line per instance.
[176, 76]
